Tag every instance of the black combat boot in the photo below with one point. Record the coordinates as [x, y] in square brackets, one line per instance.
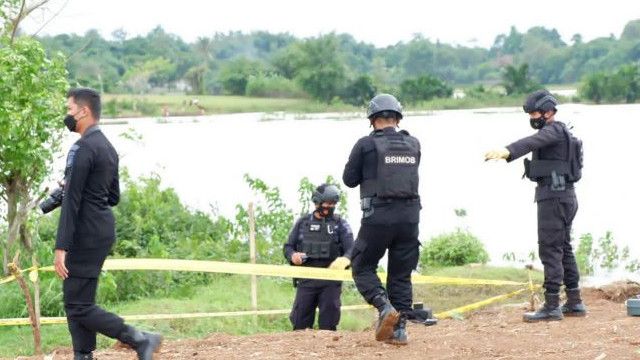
[549, 311]
[387, 317]
[82, 356]
[574, 305]
[145, 344]
[399, 336]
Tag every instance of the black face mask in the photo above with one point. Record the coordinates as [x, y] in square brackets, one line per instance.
[70, 122]
[329, 211]
[537, 123]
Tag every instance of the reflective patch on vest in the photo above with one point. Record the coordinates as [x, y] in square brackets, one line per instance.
[330, 228]
[318, 241]
[400, 159]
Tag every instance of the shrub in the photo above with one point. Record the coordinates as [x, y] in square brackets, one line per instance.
[424, 88]
[453, 249]
[273, 86]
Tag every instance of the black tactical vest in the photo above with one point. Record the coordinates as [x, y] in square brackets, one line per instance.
[397, 168]
[319, 240]
[542, 170]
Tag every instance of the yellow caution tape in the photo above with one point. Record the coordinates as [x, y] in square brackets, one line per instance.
[267, 270]
[275, 270]
[11, 278]
[8, 279]
[33, 275]
[441, 315]
[63, 320]
[479, 304]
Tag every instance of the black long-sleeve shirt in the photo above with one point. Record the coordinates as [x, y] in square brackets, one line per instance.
[551, 143]
[86, 229]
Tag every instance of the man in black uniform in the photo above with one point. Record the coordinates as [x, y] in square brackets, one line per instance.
[555, 166]
[86, 231]
[320, 239]
[385, 166]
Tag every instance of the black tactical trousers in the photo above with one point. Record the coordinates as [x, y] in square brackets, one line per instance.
[402, 242]
[554, 243]
[325, 298]
[85, 319]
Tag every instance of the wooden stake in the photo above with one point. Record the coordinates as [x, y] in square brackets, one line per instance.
[35, 325]
[252, 254]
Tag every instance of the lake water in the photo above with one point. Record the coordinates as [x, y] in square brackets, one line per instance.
[204, 159]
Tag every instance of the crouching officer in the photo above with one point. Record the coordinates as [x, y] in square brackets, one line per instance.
[385, 166]
[86, 231]
[555, 166]
[319, 239]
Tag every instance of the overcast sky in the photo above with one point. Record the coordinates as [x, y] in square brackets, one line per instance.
[468, 22]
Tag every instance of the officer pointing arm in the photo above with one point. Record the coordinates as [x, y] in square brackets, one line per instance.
[555, 166]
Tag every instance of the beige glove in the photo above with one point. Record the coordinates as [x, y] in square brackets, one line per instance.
[340, 263]
[497, 154]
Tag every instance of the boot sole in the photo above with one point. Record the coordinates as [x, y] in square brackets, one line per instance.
[540, 320]
[385, 331]
[393, 341]
[575, 314]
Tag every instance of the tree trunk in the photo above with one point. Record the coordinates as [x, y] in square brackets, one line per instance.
[36, 292]
[35, 325]
[12, 211]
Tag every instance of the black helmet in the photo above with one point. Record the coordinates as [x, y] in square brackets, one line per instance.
[326, 193]
[540, 100]
[384, 102]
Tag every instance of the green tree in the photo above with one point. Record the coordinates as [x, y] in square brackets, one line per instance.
[321, 69]
[593, 87]
[631, 31]
[516, 79]
[235, 74]
[424, 88]
[32, 88]
[152, 73]
[621, 86]
[359, 92]
[419, 58]
[195, 77]
[508, 44]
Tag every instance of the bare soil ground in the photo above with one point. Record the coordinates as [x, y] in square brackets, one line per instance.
[494, 333]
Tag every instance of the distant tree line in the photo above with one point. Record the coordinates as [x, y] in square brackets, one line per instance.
[333, 66]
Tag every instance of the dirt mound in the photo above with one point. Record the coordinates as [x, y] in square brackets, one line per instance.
[618, 291]
[495, 333]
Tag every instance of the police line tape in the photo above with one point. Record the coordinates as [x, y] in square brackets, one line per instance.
[12, 278]
[271, 270]
[483, 303]
[442, 315]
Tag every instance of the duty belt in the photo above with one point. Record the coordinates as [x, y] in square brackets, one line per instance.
[383, 201]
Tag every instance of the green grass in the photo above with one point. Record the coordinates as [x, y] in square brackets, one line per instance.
[126, 105]
[231, 293]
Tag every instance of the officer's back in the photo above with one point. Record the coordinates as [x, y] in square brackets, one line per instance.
[363, 167]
